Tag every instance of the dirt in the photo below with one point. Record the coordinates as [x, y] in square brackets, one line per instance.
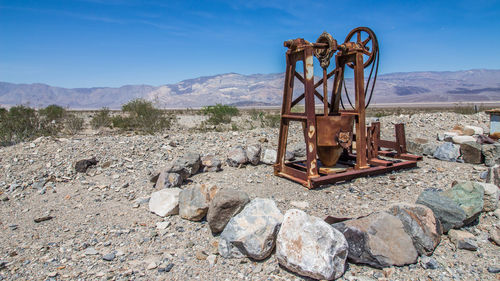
[103, 213]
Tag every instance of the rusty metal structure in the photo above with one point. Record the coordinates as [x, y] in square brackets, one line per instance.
[339, 144]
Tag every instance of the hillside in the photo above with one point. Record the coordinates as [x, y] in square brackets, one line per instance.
[258, 89]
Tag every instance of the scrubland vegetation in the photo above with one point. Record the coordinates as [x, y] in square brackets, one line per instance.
[20, 123]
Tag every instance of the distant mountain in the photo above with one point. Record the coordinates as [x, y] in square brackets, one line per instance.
[259, 90]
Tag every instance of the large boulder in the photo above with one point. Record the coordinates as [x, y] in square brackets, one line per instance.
[165, 202]
[236, 156]
[252, 232]
[379, 240]
[309, 246]
[185, 166]
[471, 152]
[469, 196]
[491, 194]
[253, 154]
[225, 205]
[446, 210]
[420, 224]
[194, 201]
[447, 152]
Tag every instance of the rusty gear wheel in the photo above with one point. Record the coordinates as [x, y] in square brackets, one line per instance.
[370, 53]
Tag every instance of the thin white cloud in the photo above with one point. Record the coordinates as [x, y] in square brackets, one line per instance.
[89, 17]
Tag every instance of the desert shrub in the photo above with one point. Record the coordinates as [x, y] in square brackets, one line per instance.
[271, 120]
[17, 124]
[219, 114]
[256, 114]
[101, 119]
[73, 124]
[299, 108]
[234, 127]
[121, 122]
[466, 109]
[51, 119]
[52, 112]
[141, 116]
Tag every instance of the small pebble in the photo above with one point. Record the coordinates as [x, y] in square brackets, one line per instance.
[109, 257]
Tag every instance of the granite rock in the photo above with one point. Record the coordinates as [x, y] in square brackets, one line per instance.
[447, 152]
[420, 224]
[379, 240]
[165, 202]
[310, 247]
[252, 232]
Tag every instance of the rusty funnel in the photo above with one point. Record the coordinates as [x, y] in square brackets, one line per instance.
[334, 135]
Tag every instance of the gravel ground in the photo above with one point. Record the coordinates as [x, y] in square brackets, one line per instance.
[104, 214]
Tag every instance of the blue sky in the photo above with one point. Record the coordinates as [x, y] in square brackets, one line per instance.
[87, 43]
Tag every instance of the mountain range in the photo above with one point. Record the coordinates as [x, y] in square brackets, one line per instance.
[478, 85]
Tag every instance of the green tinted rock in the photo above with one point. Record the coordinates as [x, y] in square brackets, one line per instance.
[469, 196]
[446, 210]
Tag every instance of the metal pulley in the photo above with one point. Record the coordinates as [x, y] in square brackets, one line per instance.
[325, 54]
[372, 57]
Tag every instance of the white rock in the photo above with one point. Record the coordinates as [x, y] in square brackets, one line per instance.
[252, 232]
[462, 139]
[474, 129]
[309, 246]
[165, 202]
[152, 265]
[212, 260]
[162, 225]
[491, 195]
[269, 156]
[447, 136]
[91, 251]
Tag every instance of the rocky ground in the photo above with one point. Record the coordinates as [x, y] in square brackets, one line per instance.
[97, 225]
